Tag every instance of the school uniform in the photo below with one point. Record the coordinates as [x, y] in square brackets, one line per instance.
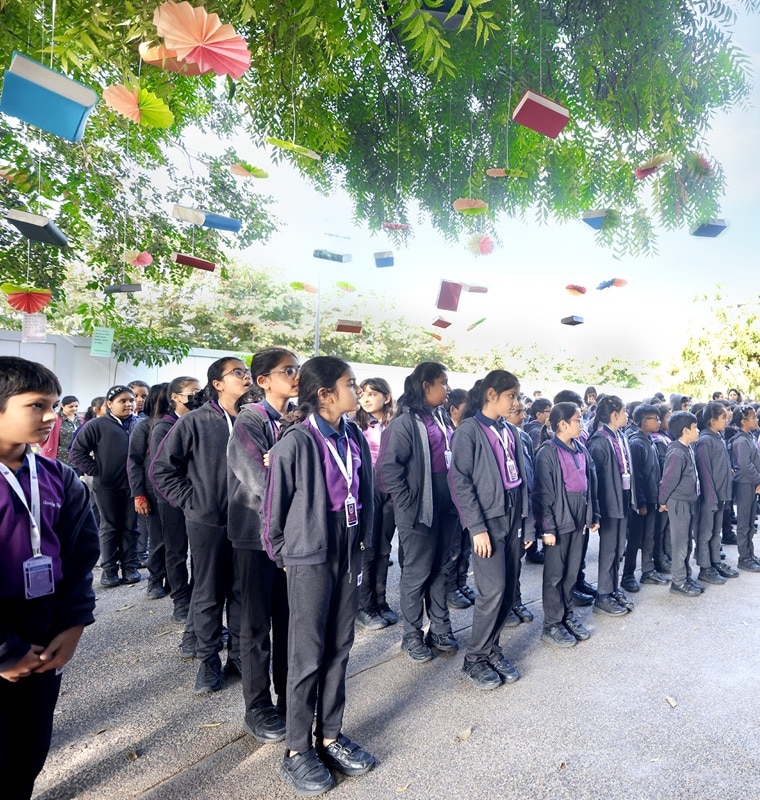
[69, 536]
[100, 449]
[662, 550]
[715, 480]
[564, 504]
[412, 468]
[490, 493]
[189, 470]
[526, 444]
[173, 529]
[138, 462]
[615, 487]
[645, 467]
[745, 460]
[261, 584]
[679, 491]
[305, 529]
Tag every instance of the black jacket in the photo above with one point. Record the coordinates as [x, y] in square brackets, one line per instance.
[609, 481]
[646, 469]
[100, 449]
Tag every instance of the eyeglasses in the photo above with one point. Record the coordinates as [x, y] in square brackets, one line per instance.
[238, 372]
[288, 372]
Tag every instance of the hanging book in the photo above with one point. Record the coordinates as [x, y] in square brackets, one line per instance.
[220, 223]
[573, 320]
[384, 259]
[349, 326]
[709, 229]
[448, 296]
[123, 288]
[187, 214]
[328, 255]
[474, 288]
[441, 322]
[193, 261]
[45, 98]
[37, 228]
[541, 114]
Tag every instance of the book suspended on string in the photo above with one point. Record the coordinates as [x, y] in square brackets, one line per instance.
[541, 114]
[37, 228]
[45, 98]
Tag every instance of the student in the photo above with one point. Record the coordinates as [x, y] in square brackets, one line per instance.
[662, 440]
[143, 495]
[489, 488]
[374, 415]
[100, 449]
[458, 594]
[141, 391]
[96, 408]
[413, 463]
[189, 470]
[317, 511]
[262, 585]
[537, 418]
[181, 395]
[745, 460]
[41, 620]
[616, 485]
[565, 505]
[589, 396]
[642, 517]
[715, 481]
[679, 491]
[67, 424]
[734, 396]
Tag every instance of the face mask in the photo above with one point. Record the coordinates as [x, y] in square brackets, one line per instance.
[194, 400]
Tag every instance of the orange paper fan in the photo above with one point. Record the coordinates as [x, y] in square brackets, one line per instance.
[470, 206]
[164, 58]
[200, 38]
[28, 299]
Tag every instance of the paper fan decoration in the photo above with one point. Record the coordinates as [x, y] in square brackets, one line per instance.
[612, 282]
[575, 289]
[475, 324]
[345, 287]
[480, 244]
[300, 286]
[498, 172]
[395, 226]
[138, 105]
[470, 206]
[296, 148]
[137, 258]
[434, 335]
[198, 37]
[698, 165]
[28, 299]
[651, 166]
[245, 170]
[164, 58]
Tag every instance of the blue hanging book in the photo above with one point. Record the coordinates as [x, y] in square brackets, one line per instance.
[45, 98]
[37, 228]
[220, 223]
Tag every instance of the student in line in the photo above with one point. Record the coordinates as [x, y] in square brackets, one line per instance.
[642, 518]
[715, 481]
[189, 470]
[66, 426]
[662, 440]
[616, 485]
[100, 449]
[181, 396]
[49, 543]
[490, 490]
[262, 585]
[317, 511]
[413, 463]
[679, 492]
[745, 460]
[373, 417]
[565, 507]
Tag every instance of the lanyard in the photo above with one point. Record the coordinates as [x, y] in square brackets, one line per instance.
[502, 432]
[34, 511]
[694, 464]
[444, 430]
[229, 422]
[347, 469]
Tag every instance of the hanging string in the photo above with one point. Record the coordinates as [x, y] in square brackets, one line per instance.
[511, 62]
[398, 141]
[52, 30]
[293, 86]
[450, 200]
[540, 50]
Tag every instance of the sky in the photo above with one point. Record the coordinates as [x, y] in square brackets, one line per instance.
[648, 320]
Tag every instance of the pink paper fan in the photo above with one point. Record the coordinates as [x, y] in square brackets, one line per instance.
[123, 100]
[164, 58]
[137, 258]
[200, 38]
[480, 244]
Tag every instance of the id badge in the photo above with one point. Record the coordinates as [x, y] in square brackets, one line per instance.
[447, 456]
[38, 577]
[626, 481]
[511, 469]
[352, 515]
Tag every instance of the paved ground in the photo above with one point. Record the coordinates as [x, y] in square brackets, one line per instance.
[663, 703]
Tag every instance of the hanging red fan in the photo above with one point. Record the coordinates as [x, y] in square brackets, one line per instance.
[26, 298]
[575, 289]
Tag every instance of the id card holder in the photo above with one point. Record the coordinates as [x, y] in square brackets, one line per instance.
[626, 476]
[447, 456]
[511, 469]
[38, 577]
[352, 514]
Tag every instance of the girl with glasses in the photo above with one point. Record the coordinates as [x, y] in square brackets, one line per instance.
[745, 460]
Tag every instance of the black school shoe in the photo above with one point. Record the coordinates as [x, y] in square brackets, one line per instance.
[711, 575]
[749, 565]
[264, 724]
[306, 774]
[725, 570]
[504, 669]
[558, 636]
[369, 618]
[209, 678]
[444, 643]
[607, 604]
[630, 584]
[187, 646]
[482, 675]
[696, 585]
[586, 588]
[468, 592]
[580, 598]
[234, 667]
[685, 588]
[387, 613]
[623, 600]
[346, 757]
[654, 577]
[522, 613]
[415, 648]
[576, 629]
[456, 600]
[109, 581]
[130, 575]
